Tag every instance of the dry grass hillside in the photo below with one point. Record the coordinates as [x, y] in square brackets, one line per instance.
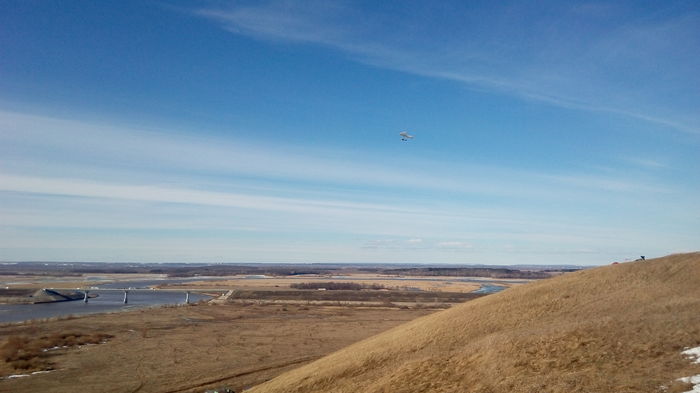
[617, 328]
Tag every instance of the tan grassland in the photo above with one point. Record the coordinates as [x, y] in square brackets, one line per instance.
[618, 328]
[185, 348]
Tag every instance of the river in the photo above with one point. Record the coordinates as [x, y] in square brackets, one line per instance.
[106, 301]
[140, 295]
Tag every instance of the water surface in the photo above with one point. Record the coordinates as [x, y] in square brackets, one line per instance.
[106, 301]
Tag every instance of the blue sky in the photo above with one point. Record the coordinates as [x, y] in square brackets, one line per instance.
[267, 131]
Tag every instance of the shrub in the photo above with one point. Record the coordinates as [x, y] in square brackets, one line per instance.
[334, 286]
[25, 353]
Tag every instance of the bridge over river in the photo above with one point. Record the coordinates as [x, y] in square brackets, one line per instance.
[107, 300]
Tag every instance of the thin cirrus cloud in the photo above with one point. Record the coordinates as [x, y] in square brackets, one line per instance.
[91, 189]
[251, 185]
[455, 245]
[44, 146]
[646, 162]
[319, 215]
[569, 56]
[64, 156]
[64, 182]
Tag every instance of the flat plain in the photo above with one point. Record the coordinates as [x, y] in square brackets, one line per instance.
[192, 348]
[256, 327]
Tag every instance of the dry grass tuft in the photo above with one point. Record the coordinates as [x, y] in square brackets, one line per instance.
[617, 328]
[26, 353]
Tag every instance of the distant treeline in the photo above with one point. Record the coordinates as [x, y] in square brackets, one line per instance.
[340, 295]
[192, 270]
[468, 272]
[40, 273]
[179, 270]
[331, 286]
[229, 270]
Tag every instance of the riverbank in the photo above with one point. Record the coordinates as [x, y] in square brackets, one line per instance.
[100, 301]
[30, 296]
[150, 290]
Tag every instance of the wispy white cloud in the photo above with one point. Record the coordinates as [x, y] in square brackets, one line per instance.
[605, 183]
[64, 181]
[65, 157]
[649, 163]
[285, 20]
[45, 146]
[64, 202]
[455, 245]
[573, 59]
[91, 189]
[394, 244]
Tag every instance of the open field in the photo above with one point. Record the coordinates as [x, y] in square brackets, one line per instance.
[190, 348]
[260, 276]
[618, 328]
[429, 284]
[259, 329]
[395, 298]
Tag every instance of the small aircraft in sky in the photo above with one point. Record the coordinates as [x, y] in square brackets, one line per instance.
[405, 136]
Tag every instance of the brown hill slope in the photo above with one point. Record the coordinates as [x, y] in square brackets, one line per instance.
[617, 328]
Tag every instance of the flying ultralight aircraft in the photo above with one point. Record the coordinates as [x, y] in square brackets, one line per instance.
[405, 136]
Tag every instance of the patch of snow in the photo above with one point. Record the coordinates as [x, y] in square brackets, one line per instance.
[693, 353]
[695, 380]
[26, 375]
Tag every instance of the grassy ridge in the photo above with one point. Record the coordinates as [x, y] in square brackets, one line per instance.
[617, 328]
